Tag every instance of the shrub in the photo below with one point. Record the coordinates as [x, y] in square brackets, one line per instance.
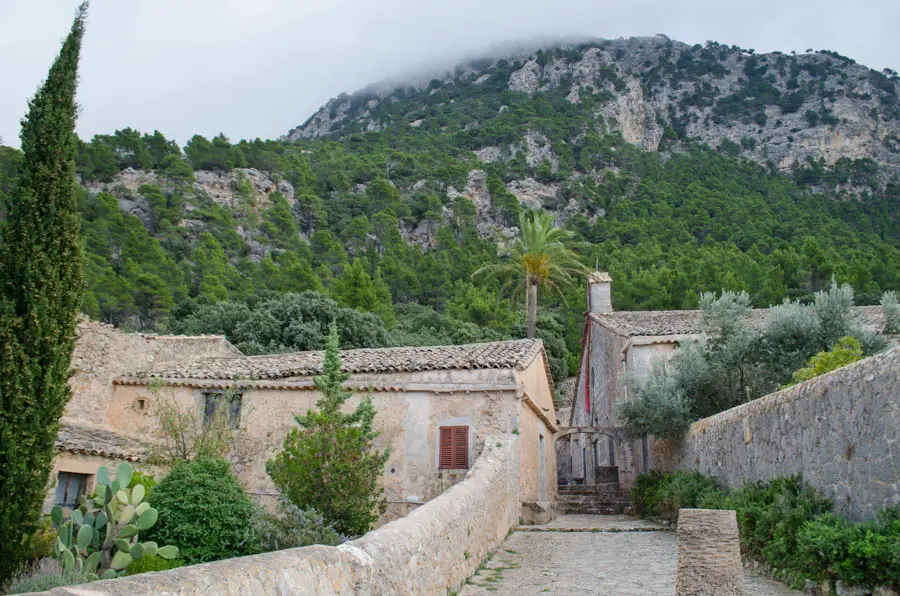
[42, 576]
[846, 351]
[329, 461]
[645, 493]
[292, 527]
[154, 563]
[771, 513]
[40, 544]
[659, 407]
[858, 553]
[658, 495]
[891, 310]
[203, 509]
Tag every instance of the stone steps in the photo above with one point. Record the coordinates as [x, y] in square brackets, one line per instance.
[605, 499]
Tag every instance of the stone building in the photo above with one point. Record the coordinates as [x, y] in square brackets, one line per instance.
[618, 347]
[435, 406]
[86, 439]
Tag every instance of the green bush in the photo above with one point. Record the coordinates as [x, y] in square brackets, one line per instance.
[204, 511]
[787, 524]
[846, 351]
[154, 563]
[292, 527]
[658, 495]
[771, 513]
[831, 547]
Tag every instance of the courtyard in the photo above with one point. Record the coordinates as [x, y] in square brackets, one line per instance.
[591, 554]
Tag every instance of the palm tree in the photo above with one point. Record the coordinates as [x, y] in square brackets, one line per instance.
[542, 253]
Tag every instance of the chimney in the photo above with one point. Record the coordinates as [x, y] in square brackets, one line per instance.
[599, 298]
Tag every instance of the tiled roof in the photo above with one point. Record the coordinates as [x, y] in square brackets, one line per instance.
[687, 322]
[88, 440]
[499, 354]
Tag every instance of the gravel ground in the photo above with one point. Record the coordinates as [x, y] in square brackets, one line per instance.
[587, 554]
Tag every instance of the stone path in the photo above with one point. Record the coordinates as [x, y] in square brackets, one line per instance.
[591, 554]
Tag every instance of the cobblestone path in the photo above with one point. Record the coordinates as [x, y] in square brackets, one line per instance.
[591, 554]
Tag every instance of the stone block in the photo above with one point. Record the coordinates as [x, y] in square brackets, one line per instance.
[535, 513]
[709, 554]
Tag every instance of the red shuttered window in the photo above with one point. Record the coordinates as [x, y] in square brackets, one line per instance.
[454, 448]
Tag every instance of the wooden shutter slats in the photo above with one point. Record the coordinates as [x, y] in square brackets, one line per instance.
[446, 459]
[454, 449]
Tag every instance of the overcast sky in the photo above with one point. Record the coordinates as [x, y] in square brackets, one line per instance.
[256, 68]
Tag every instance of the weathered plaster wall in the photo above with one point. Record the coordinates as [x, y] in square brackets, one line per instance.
[102, 352]
[408, 423]
[537, 456]
[83, 464]
[430, 552]
[841, 431]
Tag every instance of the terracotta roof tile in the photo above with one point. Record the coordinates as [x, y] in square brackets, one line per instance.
[687, 322]
[500, 354]
[88, 440]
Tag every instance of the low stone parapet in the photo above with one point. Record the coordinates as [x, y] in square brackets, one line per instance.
[433, 550]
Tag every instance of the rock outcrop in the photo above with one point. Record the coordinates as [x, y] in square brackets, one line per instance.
[778, 109]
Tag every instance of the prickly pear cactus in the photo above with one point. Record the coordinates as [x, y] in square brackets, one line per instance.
[100, 538]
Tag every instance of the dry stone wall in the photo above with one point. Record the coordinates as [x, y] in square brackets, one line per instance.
[841, 431]
[102, 353]
[432, 551]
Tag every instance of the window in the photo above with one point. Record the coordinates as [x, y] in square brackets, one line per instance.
[70, 486]
[216, 401]
[454, 448]
[141, 404]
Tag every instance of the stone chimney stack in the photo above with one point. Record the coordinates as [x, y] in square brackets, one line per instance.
[599, 297]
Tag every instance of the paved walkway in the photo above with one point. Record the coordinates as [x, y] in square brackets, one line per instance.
[602, 555]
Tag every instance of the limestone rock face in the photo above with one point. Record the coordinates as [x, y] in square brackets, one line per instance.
[534, 194]
[779, 109]
[527, 79]
[220, 186]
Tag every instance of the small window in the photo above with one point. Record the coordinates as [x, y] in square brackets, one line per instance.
[140, 404]
[70, 486]
[454, 448]
[216, 401]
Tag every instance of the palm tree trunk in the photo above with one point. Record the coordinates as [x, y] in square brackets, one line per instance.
[532, 309]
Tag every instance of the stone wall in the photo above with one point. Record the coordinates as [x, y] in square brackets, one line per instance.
[841, 431]
[431, 551]
[103, 352]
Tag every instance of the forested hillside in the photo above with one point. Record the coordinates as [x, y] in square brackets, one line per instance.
[386, 201]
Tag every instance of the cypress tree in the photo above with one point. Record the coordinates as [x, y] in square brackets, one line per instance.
[40, 292]
[329, 461]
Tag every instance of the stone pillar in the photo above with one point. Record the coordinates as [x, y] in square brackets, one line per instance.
[709, 554]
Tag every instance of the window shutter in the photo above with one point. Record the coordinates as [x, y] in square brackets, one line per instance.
[446, 458]
[454, 453]
[461, 447]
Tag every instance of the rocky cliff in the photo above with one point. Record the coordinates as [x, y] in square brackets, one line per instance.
[777, 109]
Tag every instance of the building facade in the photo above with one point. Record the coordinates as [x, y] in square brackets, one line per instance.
[435, 407]
[618, 350]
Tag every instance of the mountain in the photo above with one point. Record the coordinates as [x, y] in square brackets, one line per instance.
[681, 169]
[777, 109]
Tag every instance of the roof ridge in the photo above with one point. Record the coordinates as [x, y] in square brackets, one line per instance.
[512, 353]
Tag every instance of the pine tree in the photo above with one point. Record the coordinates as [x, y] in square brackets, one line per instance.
[40, 291]
[329, 462]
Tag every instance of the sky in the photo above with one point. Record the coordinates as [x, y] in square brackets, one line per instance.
[257, 68]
